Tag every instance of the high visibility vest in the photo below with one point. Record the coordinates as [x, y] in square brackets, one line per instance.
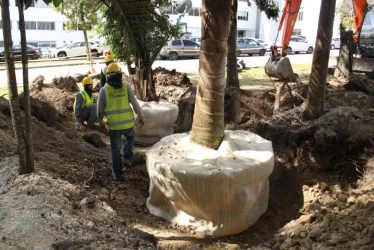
[118, 110]
[87, 100]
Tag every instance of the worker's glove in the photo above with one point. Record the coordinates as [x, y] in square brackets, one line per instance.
[79, 126]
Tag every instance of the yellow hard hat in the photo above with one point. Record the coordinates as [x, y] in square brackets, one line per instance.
[87, 81]
[108, 58]
[113, 68]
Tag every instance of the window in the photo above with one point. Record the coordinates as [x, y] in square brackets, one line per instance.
[189, 43]
[35, 44]
[240, 41]
[296, 32]
[243, 15]
[176, 43]
[48, 44]
[194, 12]
[29, 25]
[251, 43]
[46, 26]
[300, 17]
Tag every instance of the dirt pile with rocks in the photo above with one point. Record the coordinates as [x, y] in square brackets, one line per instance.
[320, 191]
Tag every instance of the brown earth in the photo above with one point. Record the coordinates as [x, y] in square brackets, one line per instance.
[321, 188]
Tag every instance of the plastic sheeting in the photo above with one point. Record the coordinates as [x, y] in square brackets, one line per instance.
[159, 119]
[217, 192]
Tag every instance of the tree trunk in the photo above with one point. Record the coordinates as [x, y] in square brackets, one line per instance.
[12, 87]
[129, 68]
[232, 80]
[208, 121]
[87, 44]
[344, 67]
[316, 90]
[145, 88]
[26, 93]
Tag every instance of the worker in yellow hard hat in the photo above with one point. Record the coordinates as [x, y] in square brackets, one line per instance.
[108, 60]
[114, 102]
[84, 106]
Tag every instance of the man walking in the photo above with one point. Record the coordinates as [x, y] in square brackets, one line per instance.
[84, 106]
[114, 103]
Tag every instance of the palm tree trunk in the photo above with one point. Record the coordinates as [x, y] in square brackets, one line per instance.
[344, 67]
[232, 80]
[12, 87]
[26, 93]
[208, 121]
[315, 103]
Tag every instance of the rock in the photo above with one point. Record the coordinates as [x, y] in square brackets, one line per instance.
[343, 198]
[94, 139]
[351, 200]
[90, 225]
[335, 239]
[38, 82]
[305, 219]
[305, 187]
[55, 217]
[315, 234]
[365, 241]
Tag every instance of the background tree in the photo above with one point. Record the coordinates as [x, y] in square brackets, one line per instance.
[346, 12]
[271, 9]
[81, 15]
[138, 29]
[316, 89]
[232, 80]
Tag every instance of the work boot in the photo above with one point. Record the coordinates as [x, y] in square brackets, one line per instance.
[127, 163]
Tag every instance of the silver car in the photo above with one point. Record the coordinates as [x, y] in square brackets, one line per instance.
[179, 48]
[249, 46]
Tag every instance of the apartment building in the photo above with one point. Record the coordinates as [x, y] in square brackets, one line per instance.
[247, 17]
[44, 26]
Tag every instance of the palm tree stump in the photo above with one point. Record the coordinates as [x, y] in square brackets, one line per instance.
[216, 192]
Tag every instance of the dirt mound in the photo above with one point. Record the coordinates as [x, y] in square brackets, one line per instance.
[358, 83]
[59, 99]
[64, 216]
[166, 77]
[66, 83]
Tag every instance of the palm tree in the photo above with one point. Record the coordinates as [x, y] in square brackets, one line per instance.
[232, 70]
[208, 121]
[315, 103]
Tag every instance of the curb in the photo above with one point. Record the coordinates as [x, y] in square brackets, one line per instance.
[54, 66]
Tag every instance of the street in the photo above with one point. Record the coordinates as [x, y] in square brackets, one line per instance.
[187, 66]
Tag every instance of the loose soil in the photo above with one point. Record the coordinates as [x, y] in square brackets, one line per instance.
[321, 190]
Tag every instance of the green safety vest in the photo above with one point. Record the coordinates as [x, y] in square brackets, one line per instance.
[87, 100]
[118, 110]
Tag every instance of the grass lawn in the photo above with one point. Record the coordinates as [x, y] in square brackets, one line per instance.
[4, 92]
[257, 77]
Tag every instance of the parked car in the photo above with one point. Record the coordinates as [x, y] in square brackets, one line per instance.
[78, 49]
[46, 52]
[299, 44]
[178, 48]
[249, 46]
[196, 40]
[302, 37]
[32, 53]
[335, 43]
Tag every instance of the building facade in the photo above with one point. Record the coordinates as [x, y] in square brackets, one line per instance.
[44, 26]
